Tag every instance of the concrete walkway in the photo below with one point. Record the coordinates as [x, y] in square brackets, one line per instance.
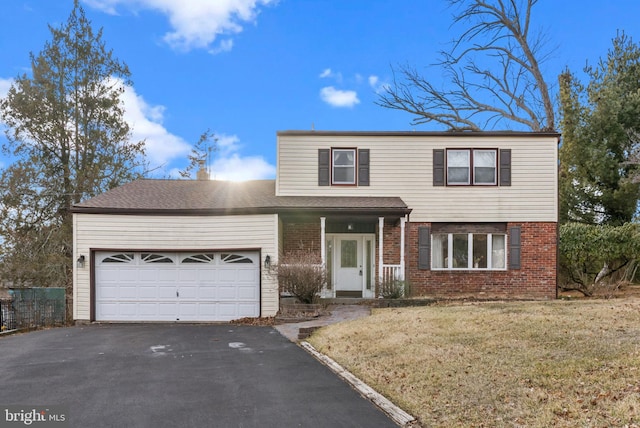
[337, 313]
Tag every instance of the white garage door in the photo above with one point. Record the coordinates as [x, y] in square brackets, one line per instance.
[148, 286]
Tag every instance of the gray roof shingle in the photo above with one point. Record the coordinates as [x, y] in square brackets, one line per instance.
[219, 197]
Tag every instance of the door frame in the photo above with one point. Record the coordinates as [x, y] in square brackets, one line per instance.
[366, 245]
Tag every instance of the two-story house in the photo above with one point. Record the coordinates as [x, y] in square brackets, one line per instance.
[452, 214]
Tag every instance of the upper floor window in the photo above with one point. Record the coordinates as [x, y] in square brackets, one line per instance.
[469, 167]
[466, 167]
[343, 166]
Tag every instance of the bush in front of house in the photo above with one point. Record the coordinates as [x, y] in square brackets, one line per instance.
[301, 275]
[598, 258]
[392, 288]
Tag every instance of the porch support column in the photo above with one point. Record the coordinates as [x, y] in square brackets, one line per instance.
[380, 246]
[323, 241]
[403, 220]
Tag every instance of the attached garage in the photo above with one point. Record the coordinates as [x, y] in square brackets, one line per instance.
[176, 286]
[176, 251]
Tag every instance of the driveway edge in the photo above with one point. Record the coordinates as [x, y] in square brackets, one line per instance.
[398, 415]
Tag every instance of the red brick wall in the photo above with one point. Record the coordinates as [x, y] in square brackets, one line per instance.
[301, 238]
[536, 279]
[391, 243]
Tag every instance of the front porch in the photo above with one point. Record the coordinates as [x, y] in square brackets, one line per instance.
[358, 252]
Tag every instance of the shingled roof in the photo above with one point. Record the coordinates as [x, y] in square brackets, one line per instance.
[147, 196]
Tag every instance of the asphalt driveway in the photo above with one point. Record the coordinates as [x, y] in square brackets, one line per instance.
[175, 375]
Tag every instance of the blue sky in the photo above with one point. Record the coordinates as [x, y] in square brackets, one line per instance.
[248, 68]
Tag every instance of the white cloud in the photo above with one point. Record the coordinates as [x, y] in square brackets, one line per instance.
[379, 87]
[338, 97]
[195, 23]
[228, 163]
[237, 168]
[5, 84]
[146, 124]
[328, 73]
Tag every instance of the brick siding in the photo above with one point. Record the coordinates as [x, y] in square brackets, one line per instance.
[536, 279]
[301, 237]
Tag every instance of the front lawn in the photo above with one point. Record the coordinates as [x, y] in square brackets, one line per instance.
[527, 364]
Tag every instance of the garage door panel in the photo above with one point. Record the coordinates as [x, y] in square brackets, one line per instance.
[207, 293]
[127, 309]
[247, 293]
[248, 310]
[166, 291]
[167, 310]
[107, 292]
[148, 291]
[187, 293]
[177, 286]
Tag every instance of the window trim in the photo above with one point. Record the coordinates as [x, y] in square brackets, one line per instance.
[470, 263]
[471, 167]
[354, 150]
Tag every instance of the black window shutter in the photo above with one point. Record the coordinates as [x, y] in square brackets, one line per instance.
[438, 167]
[424, 247]
[324, 167]
[363, 167]
[505, 167]
[514, 247]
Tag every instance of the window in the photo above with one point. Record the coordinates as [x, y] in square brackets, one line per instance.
[119, 258]
[337, 166]
[484, 167]
[155, 258]
[458, 162]
[469, 251]
[472, 167]
[235, 258]
[199, 258]
[343, 166]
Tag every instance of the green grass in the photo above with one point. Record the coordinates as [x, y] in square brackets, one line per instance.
[529, 364]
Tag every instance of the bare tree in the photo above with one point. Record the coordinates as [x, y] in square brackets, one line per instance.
[493, 69]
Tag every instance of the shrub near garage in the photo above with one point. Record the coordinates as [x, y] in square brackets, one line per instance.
[301, 275]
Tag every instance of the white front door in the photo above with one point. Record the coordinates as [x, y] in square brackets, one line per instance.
[349, 272]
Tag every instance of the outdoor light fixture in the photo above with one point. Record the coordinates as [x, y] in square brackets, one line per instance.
[267, 262]
[350, 226]
[80, 261]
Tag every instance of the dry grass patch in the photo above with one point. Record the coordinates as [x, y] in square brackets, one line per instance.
[529, 364]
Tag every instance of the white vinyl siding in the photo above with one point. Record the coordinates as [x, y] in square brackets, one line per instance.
[401, 165]
[173, 233]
